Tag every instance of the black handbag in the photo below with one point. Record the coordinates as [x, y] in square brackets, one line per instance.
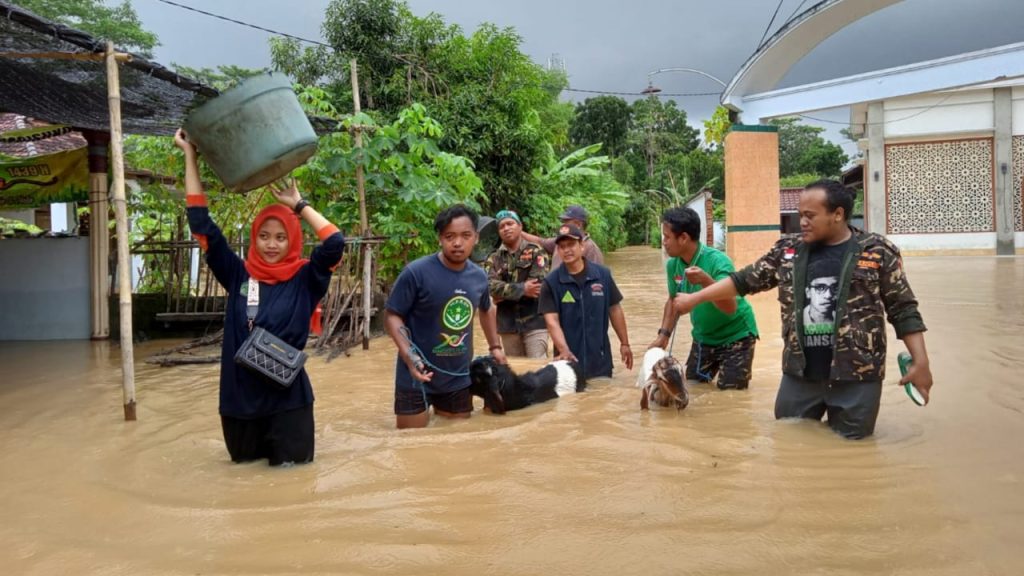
[264, 353]
[271, 357]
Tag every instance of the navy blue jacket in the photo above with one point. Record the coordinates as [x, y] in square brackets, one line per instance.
[284, 310]
[583, 314]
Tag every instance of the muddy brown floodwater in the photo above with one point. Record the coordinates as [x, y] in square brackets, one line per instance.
[584, 485]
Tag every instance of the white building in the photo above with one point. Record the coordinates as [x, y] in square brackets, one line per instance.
[937, 165]
[943, 139]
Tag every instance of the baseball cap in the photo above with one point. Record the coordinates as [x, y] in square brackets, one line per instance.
[575, 212]
[569, 231]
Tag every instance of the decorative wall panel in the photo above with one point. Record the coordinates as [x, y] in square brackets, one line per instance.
[938, 187]
[1018, 190]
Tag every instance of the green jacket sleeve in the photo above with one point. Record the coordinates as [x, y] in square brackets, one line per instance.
[764, 273]
[899, 300]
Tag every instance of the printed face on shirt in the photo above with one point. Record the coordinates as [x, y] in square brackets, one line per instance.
[458, 239]
[570, 250]
[821, 299]
[510, 232]
[817, 223]
[272, 241]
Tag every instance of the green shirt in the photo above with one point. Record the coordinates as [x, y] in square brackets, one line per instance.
[711, 326]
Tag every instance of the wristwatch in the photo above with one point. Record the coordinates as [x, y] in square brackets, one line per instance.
[299, 206]
[665, 333]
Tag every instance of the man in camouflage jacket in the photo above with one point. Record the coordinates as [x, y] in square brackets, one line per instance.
[847, 281]
[515, 272]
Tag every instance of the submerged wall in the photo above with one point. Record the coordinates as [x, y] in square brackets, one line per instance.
[44, 289]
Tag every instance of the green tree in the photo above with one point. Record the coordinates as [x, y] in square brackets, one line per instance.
[408, 178]
[660, 128]
[716, 127]
[605, 120]
[581, 178]
[119, 23]
[222, 78]
[803, 150]
[499, 109]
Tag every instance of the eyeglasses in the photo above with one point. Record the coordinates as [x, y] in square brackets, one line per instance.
[822, 288]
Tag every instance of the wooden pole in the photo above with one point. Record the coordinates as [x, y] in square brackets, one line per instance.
[364, 223]
[82, 56]
[99, 235]
[124, 270]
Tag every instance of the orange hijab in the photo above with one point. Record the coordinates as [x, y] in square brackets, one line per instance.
[284, 269]
[288, 266]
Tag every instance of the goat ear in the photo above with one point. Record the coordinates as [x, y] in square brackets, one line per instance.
[644, 401]
[495, 403]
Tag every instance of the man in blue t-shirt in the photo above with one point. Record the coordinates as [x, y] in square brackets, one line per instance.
[430, 317]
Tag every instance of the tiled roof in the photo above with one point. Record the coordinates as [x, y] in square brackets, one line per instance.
[789, 199]
[35, 147]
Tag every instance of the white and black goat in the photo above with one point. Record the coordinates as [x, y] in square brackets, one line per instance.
[504, 390]
[662, 381]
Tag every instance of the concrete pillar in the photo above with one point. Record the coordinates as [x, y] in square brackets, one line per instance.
[875, 208]
[751, 192]
[99, 236]
[1004, 172]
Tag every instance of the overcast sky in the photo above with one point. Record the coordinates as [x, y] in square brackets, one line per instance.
[610, 45]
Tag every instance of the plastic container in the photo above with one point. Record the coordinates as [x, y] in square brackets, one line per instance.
[488, 241]
[253, 133]
[905, 360]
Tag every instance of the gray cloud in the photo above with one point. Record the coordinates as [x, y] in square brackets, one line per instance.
[610, 45]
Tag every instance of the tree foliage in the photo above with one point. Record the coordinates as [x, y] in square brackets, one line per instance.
[408, 178]
[117, 23]
[803, 150]
[499, 108]
[716, 127]
[605, 120]
[221, 78]
[580, 178]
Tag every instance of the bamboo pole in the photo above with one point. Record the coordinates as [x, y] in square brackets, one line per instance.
[82, 56]
[124, 271]
[364, 223]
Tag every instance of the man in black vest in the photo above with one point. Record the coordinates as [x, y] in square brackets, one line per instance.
[578, 300]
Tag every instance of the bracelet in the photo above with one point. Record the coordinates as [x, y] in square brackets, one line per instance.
[665, 333]
[623, 345]
[495, 347]
[299, 207]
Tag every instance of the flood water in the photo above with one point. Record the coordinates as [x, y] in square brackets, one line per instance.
[584, 485]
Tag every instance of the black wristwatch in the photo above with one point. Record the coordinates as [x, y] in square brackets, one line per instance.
[299, 206]
[665, 333]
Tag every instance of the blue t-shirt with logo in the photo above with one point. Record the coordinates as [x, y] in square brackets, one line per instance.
[438, 305]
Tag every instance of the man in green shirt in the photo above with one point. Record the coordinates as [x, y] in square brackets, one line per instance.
[724, 332]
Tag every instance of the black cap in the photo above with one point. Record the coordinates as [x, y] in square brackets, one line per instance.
[575, 212]
[569, 231]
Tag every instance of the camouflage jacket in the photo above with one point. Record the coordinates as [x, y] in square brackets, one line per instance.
[507, 271]
[871, 283]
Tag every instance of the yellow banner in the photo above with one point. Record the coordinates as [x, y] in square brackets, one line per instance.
[41, 180]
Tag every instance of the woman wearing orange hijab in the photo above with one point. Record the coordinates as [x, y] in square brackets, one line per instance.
[260, 419]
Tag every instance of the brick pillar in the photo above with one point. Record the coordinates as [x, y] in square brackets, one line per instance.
[751, 192]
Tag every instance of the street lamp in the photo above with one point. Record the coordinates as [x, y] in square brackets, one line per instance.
[652, 89]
